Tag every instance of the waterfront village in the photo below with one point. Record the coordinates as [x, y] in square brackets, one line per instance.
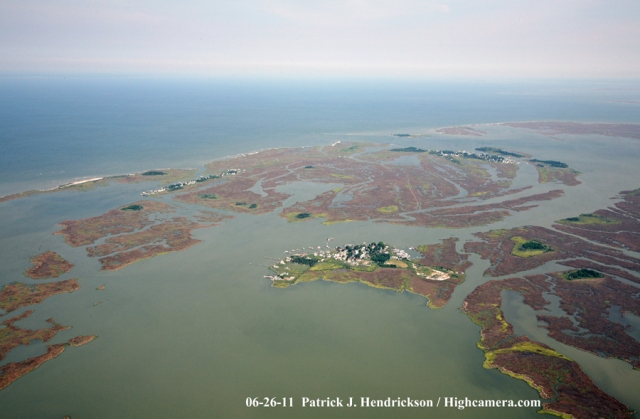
[492, 158]
[452, 155]
[359, 257]
[180, 185]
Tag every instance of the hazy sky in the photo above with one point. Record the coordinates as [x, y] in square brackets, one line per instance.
[362, 38]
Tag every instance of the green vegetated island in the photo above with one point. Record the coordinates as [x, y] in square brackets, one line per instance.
[434, 275]
[443, 189]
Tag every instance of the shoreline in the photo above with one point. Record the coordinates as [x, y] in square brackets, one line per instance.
[81, 184]
[596, 126]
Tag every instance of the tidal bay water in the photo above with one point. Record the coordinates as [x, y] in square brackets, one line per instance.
[195, 333]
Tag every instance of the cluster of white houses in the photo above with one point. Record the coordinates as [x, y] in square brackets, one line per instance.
[180, 185]
[493, 158]
[350, 254]
[355, 255]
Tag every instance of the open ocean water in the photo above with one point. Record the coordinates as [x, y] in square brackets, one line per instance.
[194, 333]
[54, 130]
